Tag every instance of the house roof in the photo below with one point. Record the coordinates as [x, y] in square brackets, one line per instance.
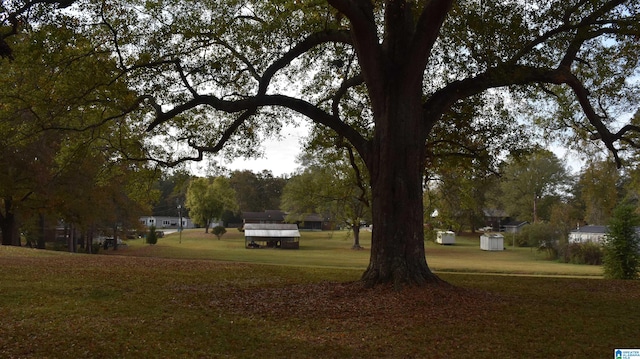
[273, 230]
[514, 223]
[591, 229]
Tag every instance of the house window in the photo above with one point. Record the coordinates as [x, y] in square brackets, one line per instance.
[166, 222]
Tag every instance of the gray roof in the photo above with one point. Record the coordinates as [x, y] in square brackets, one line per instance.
[591, 229]
[271, 230]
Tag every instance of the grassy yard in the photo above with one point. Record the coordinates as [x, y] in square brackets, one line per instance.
[333, 249]
[165, 301]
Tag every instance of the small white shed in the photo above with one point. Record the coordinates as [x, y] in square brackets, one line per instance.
[492, 242]
[445, 237]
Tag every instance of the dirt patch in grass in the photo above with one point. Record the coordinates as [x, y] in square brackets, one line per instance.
[347, 315]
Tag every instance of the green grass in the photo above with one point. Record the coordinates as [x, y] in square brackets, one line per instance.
[159, 302]
[333, 250]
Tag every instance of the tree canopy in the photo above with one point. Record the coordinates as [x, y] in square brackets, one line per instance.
[208, 198]
[63, 136]
[528, 181]
[622, 245]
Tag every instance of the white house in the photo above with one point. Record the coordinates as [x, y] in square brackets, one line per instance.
[595, 234]
[166, 222]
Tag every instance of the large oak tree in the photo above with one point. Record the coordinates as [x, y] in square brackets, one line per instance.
[228, 73]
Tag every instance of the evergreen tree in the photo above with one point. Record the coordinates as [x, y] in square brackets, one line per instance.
[622, 247]
[152, 237]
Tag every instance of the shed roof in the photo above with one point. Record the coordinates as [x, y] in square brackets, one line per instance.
[492, 235]
[274, 230]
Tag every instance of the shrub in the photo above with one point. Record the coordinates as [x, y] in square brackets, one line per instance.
[544, 236]
[95, 248]
[429, 234]
[218, 231]
[520, 239]
[152, 236]
[581, 253]
[622, 247]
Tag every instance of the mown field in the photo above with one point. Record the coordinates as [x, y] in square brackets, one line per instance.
[205, 298]
[333, 249]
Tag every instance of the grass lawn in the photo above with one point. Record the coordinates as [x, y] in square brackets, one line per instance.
[165, 301]
[333, 249]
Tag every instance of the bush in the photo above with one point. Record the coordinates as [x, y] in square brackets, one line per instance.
[218, 231]
[95, 248]
[520, 239]
[543, 236]
[622, 245]
[581, 253]
[152, 236]
[430, 234]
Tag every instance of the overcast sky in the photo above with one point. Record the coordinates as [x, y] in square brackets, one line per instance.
[279, 155]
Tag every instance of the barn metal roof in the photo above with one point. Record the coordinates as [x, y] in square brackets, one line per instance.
[271, 230]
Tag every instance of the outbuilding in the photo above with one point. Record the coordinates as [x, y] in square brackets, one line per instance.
[445, 237]
[271, 235]
[492, 242]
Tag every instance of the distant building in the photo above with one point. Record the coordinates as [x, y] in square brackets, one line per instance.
[161, 222]
[595, 234]
[492, 242]
[512, 226]
[271, 235]
[497, 220]
[311, 222]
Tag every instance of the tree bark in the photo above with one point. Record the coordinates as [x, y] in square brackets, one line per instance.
[356, 236]
[8, 223]
[42, 233]
[397, 248]
[115, 237]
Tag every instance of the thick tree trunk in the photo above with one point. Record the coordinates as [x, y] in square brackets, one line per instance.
[397, 248]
